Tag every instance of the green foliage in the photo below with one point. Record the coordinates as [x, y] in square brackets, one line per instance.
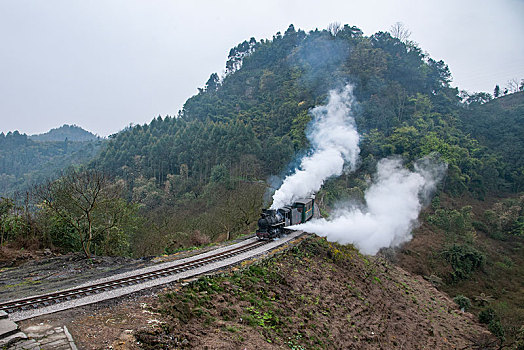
[506, 218]
[499, 125]
[463, 302]
[497, 329]
[6, 206]
[487, 315]
[87, 206]
[456, 223]
[464, 259]
[65, 132]
[58, 231]
[24, 162]
[219, 174]
[298, 130]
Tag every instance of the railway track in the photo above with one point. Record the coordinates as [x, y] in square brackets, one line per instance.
[45, 300]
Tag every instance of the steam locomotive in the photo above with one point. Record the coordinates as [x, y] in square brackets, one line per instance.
[273, 222]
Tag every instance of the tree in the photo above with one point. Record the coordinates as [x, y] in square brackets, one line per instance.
[91, 204]
[334, 28]
[513, 85]
[400, 31]
[496, 92]
[478, 98]
[213, 82]
[6, 205]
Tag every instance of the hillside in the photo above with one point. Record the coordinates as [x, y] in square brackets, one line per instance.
[499, 125]
[24, 161]
[253, 121]
[250, 124]
[204, 175]
[65, 132]
[244, 127]
[318, 295]
[255, 117]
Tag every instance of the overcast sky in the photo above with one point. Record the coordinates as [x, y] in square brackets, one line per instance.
[108, 63]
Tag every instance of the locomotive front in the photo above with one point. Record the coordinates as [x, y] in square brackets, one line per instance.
[270, 224]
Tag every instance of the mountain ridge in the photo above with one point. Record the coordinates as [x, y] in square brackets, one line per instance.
[65, 132]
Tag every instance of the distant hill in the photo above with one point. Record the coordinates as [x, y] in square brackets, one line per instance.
[69, 132]
[25, 161]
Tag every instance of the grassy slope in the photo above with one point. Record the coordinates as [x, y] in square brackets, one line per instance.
[317, 295]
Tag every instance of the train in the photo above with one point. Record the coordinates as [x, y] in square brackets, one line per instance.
[273, 222]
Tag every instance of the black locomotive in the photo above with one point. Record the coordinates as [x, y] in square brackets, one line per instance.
[273, 222]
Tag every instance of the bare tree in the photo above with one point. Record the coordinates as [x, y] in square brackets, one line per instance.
[400, 32]
[240, 208]
[334, 28]
[88, 201]
[513, 85]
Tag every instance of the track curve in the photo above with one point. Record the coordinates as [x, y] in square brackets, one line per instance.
[127, 283]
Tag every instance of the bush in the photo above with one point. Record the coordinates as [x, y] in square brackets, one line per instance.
[464, 259]
[496, 328]
[456, 223]
[199, 239]
[487, 315]
[463, 302]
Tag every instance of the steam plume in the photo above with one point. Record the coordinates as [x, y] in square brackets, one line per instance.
[393, 202]
[334, 141]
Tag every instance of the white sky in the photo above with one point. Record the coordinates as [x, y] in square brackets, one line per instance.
[103, 64]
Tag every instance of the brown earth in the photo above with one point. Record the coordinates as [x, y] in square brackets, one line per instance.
[106, 325]
[319, 295]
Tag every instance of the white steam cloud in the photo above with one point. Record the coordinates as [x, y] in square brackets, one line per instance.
[393, 203]
[334, 141]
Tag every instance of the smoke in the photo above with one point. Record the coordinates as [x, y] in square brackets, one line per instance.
[334, 141]
[393, 203]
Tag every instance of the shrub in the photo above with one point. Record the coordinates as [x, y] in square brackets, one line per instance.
[464, 259]
[199, 239]
[456, 223]
[487, 315]
[496, 328]
[463, 302]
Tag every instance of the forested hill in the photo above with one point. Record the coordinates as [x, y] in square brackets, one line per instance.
[65, 132]
[499, 125]
[252, 121]
[259, 110]
[24, 161]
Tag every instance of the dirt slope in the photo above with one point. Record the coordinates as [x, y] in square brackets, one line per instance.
[318, 295]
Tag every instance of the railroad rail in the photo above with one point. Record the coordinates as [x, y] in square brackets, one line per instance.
[79, 292]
